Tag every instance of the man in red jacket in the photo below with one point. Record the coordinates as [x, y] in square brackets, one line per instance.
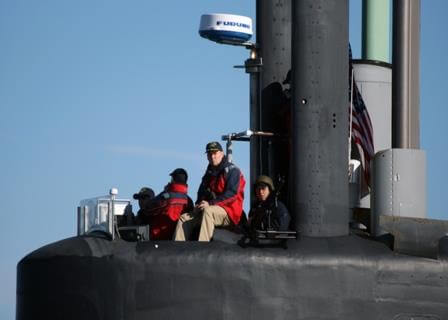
[166, 208]
[220, 197]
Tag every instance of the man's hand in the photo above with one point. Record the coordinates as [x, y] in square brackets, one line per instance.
[202, 205]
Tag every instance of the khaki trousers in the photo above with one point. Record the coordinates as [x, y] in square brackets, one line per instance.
[208, 218]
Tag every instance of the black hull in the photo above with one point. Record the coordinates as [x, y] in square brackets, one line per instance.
[326, 278]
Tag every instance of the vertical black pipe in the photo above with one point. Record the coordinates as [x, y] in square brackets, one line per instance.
[319, 162]
[406, 74]
[274, 40]
[253, 67]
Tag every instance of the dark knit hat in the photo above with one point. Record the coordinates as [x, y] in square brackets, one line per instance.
[144, 193]
[179, 175]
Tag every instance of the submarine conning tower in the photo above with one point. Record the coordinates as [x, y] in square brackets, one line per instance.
[309, 39]
[326, 274]
[319, 192]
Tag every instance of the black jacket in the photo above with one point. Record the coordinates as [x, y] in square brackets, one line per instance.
[269, 215]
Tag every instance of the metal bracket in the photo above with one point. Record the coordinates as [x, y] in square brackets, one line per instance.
[241, 136]
[246, 135]
[248, 45]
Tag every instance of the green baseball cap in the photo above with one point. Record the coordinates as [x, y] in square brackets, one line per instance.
[213, 146]
[264, 180]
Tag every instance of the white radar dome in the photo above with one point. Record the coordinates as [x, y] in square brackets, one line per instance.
[220, 27]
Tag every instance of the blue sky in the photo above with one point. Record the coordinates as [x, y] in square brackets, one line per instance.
[96, 94]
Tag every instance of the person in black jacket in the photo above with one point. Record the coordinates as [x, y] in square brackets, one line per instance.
[268, 213]
[144, 197]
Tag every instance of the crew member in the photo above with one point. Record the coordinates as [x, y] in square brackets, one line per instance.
[220, 197]
[144, 197]
[166, 208]
[268, 213]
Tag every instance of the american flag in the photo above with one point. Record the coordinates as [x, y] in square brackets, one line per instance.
[362, 130]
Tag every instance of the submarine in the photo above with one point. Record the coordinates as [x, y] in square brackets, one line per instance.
[357, 254]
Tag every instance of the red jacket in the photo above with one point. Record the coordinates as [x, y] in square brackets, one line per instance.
[224, 186]
[166, 209]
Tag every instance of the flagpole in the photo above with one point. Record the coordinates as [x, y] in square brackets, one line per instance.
[351, 116]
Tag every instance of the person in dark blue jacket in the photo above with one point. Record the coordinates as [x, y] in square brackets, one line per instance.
[268, 213]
